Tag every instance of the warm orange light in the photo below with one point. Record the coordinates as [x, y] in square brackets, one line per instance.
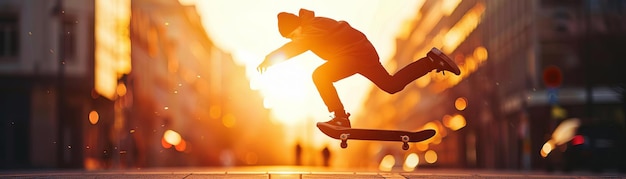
[172, 137]
[121, 89]
[446, 120]
[480, 53]
[470, 64]
[437, 137]
[286, 88]
[173, 65]
[229, 120]
[547, 148]
[387, 163]
[448, 6]
[94, 117]
[112, 44]
[456, 122]
[285, 92]
[430, 156]
[182, 146]
[462, 28]
[421, 146]
[460, 103]
[412, 160]
[91, 163]
[423, 81]
[165, 144]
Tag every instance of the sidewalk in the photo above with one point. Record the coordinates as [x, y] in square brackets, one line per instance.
[272, 172]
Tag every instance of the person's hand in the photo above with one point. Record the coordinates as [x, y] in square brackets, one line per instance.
[263, 66]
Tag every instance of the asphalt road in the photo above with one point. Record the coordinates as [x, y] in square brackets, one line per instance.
[274, 172]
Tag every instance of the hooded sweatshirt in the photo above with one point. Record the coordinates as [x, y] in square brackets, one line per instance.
[329, 39]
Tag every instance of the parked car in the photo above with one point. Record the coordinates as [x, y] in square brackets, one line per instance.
[597, 146]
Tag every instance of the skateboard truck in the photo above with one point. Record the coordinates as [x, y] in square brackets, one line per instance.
[344, 140]
[405, 142]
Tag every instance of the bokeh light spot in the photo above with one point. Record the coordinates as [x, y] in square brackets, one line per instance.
[480, 53]
[172, 137]
[547, 148]
[387, 163]
[460, 103]
[121, 89]
[165, 144]
[430, 156]
[455, 122]
[94, 117]
[182, 146]
[412, 160]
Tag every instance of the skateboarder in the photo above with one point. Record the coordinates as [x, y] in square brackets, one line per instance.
[347, 51]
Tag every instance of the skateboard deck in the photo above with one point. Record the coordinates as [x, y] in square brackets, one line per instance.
[345, 134]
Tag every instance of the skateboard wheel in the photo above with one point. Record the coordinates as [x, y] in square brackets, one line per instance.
[405, 146]
[344, 136]
[405, 138]
[344, 144]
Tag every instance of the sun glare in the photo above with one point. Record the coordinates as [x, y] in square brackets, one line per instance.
[287, 88]
[248, 30]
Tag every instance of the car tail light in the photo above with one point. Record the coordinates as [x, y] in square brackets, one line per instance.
[578, 140]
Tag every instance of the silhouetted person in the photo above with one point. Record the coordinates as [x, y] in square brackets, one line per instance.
[347, 51]
[298, 154]
[326, 155]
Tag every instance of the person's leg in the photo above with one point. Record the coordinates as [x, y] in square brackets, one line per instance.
[376, 73]
[324, 77]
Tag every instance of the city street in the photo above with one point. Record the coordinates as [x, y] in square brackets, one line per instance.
[274, 172]
[235, 89]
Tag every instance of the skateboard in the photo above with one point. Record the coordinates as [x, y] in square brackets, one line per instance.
[345, 134]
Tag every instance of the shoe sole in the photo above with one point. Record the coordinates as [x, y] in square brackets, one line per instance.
[445, 58]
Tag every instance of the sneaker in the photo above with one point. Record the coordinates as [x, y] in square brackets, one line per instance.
[442, 61]
[340, 120]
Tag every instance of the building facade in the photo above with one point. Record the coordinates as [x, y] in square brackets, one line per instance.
[47, 75]
[110, 84]
[500, 111]
[181, 81]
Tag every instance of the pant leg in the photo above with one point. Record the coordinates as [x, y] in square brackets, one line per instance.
[376, 73]
[324, 77]
[328, 73]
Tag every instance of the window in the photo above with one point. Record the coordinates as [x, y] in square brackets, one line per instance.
[9, 46]
[68, 39]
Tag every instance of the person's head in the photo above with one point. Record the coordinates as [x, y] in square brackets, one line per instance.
[287, 24]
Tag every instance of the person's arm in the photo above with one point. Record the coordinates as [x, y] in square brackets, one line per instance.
[285, 52]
